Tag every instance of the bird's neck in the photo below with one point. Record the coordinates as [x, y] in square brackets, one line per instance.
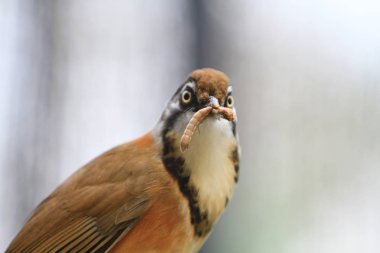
[206, 173]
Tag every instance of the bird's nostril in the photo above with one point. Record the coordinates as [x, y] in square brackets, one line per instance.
[204, 102]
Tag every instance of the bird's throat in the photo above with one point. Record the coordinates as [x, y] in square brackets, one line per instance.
[206, 173]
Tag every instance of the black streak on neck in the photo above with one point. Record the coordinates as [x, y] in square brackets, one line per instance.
[175, 165]
[235, 160]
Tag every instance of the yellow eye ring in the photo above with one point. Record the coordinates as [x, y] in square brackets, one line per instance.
[186, 97]
[230, 101]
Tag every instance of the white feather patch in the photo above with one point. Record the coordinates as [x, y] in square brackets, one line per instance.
[209, 160]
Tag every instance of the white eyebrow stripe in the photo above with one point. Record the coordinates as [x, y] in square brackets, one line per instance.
[190, 84]
[229, 89]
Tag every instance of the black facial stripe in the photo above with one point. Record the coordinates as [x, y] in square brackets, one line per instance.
[178, 91]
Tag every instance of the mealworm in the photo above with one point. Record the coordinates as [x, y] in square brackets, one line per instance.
[197, 119]
[227, 113]
[193, 124]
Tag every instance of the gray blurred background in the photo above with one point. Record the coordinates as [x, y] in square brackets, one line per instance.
[78, 77]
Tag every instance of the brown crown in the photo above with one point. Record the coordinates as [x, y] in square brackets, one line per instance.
[210, 82]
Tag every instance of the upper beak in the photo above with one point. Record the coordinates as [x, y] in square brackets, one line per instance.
[214, 103]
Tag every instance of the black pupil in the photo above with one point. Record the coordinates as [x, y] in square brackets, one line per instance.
[186, 96]
[229, 101]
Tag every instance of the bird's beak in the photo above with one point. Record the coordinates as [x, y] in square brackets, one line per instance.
[214, 103]
[213, 107]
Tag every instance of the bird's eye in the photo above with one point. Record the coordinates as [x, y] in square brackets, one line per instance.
[186, 97]
[230, 101]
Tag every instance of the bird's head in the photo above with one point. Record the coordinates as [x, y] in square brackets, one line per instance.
[205, 99]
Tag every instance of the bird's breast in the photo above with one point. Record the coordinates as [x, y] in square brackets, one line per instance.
[205, 173]
[211, 161]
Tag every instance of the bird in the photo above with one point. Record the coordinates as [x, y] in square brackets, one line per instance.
[161, 192]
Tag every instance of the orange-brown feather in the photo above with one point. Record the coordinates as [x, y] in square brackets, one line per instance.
[112, 192]
[210, 82]
[164, 228]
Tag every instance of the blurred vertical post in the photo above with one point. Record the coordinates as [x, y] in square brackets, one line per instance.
[29, 127]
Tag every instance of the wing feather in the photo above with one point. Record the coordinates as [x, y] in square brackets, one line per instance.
[94, 208]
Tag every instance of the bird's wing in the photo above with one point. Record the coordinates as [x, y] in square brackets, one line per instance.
[80, 234]
[94, 208]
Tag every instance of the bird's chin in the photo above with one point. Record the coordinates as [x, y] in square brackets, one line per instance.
[215, 116]
[214, 112]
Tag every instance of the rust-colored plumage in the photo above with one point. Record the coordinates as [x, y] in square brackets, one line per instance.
[210, 81]
[141, 196]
